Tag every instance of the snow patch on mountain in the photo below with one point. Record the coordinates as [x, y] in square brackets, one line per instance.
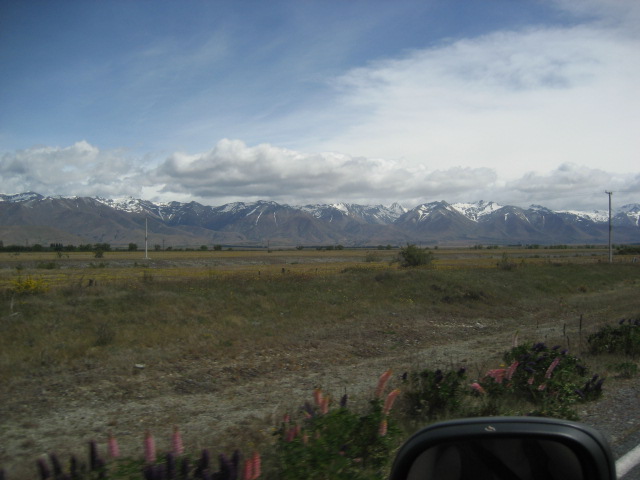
[594, 215]
[474, 211]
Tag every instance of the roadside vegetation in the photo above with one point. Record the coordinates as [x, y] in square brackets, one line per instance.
[123, 331]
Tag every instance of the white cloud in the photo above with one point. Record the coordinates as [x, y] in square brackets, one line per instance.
[233, 170]
[80, 169]
[511, 101]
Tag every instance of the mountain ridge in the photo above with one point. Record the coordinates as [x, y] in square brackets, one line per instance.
[122, 220]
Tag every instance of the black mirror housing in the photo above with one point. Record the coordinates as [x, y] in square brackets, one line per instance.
[505, 448]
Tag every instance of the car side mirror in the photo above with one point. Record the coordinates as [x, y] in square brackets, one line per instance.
[505, 448]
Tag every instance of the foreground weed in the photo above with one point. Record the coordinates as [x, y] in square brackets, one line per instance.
[432, 394]
[174, 464]
[28, 286]
[338, 443]
[623, 339]
[547, 381]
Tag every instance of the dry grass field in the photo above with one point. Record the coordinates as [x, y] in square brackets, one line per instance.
[222, 343]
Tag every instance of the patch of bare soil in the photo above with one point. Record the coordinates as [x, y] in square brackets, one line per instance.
[235, 402]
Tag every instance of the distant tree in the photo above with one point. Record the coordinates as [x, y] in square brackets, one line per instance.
[133, 247]
[413, 256]
[157, 247]
[105, 247]
[204, 248]
[217, 248]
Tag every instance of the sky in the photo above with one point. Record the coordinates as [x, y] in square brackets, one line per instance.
[303, 102]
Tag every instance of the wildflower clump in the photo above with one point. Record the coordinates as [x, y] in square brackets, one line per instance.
[28, 286]
[433, 394]
[546, 381]
[338, 443]
[621, 339]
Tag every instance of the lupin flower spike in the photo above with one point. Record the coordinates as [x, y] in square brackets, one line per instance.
[149, 448]
[382, 383]
[176, 442]
[382, 431]
[113, 449]
[388, 403]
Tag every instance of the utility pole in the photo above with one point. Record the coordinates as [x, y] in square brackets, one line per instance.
[146, 236]
[610, 229]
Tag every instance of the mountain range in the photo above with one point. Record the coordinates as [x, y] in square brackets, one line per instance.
[31, 218]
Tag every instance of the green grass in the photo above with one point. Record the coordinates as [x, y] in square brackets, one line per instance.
[189, 323]
[62, 324]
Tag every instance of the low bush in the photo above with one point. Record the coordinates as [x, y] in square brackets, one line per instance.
[622, 339]
[338, 443]
[546, 381]
[413, 256]
[431, 394]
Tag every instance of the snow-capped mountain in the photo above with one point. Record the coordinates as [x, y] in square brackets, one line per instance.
[35, 218]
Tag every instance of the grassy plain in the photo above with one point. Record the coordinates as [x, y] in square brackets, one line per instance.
[222, 343]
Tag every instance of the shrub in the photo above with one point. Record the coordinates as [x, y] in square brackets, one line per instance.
[623, 339]
[548, 379]
[505, 263]
[413, 256]
[432, 393]
[338, 443]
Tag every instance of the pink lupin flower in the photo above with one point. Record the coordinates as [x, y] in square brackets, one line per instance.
[511, 370]
[552, 367]
[382, 430]
[292, 433]
[382, 383]
[478, 388]
[176, 442]
[530, 381]
[248, 470]
[113, 449]
[324, 405]
[388, 403]
[257, 465]
[542, 386]
[149, 448]
[252, 467]
[497, 374]
[317, 396]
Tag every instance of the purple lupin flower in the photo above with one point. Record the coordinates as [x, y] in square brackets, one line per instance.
[235, 459]
[55, 463]
[73, 468]
[93, 456]
[343, 401]
[43, 469]
[170, 465]
[205, 461]
[184, 467]
[227, 469]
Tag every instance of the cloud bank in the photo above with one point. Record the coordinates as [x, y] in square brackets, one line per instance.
[233, 171]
